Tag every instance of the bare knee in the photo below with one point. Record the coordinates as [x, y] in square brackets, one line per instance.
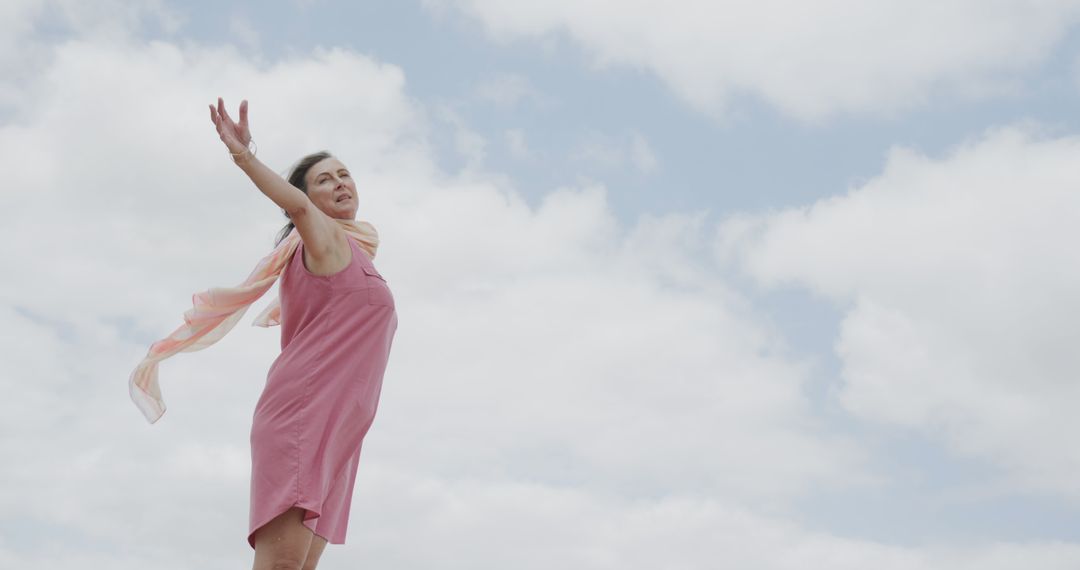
[287, 563]
[292, 559]
[283, 543]
[318, 544]
[281, 561]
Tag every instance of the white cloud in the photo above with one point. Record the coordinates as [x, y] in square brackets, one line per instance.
[812, 60]
[641, 154]
[601, 152]
[29, 29]
[558, 379]
[104, 20]
[615, 152]
[113, 20]
[16, 25]
[509, 90]
[555, 527]
[240, 27]
[535, 345]
[469, 144]
[958, 278]
[519, 148]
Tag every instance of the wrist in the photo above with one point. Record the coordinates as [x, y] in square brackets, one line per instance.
[245, 156]
[244, 160]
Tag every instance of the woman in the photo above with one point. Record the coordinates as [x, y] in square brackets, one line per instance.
[337, 321]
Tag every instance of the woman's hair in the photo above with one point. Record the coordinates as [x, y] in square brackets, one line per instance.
[298, 178]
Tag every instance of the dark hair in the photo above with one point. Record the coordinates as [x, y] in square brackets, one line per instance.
[298, 178]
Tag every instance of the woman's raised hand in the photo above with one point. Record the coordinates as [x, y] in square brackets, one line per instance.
[236, 136]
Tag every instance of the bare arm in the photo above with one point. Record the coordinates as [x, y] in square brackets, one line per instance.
[323, 238]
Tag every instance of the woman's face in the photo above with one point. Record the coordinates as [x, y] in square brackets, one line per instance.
[331, 188]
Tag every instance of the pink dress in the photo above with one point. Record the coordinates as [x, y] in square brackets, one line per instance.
[321, 393]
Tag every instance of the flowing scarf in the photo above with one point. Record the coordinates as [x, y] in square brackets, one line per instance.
[216, 311]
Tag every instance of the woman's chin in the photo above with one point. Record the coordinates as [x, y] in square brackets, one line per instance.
[341, 211]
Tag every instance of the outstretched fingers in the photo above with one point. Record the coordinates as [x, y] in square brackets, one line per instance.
[231, 133]
[224, 112]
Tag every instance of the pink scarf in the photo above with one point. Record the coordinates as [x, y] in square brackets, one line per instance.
[216, 312]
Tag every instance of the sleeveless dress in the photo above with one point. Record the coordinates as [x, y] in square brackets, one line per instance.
[321, 393]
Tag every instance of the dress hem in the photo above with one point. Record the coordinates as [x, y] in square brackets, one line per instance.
[310, 514]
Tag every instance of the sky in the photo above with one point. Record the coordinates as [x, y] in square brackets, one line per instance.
[731, 284]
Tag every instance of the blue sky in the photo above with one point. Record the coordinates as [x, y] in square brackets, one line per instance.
[678, 282]
[706, 164]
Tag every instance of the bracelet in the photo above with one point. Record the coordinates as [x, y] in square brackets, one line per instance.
[252, 149]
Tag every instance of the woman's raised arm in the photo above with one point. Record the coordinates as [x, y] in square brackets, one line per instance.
[237, 137]
[323, 239]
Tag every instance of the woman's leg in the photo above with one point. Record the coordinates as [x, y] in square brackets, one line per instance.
[317, 545]
[283, 543]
